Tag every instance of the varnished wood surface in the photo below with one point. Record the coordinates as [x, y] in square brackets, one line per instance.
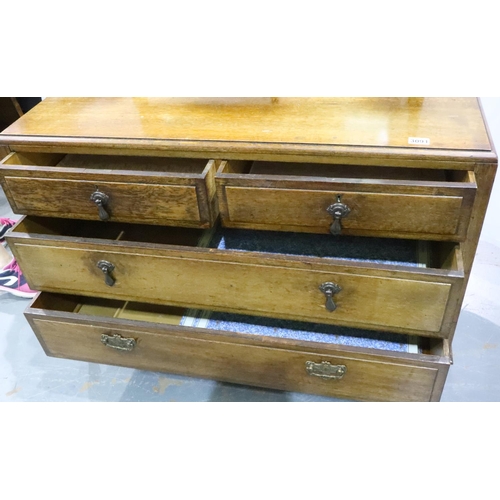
[297, 125]
[242, 282]
[485, 177]
[227, 356]
[372, 214]
[366, 133]
[136, 203]
[385, 203]
[161, 191]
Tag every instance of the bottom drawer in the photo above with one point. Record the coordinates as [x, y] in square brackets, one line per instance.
[290, 356]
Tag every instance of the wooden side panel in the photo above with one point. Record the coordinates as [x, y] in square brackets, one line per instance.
[147, 203]
[485, 176]
[375, 212]
[437, 390]
[393, 301]
[373, 378]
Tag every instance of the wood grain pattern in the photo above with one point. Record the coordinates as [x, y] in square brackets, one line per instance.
[441, 192]
[369, 128]
[256, 284]
[160, 191]
[386, 203]
[371, 213]
[342, 155]
[451, 123]
[138, 203]
[241, 359]
[484, 177]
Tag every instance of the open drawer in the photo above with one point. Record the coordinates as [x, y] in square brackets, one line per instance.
[396, 285]
[148, 190]
[338, 363]
[346, 199]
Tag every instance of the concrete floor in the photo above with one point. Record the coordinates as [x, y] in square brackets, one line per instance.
[27, 374]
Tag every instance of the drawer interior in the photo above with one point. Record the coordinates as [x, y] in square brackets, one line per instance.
[110, 164]
[375, 250]
[345, 172]
[383, 251]
[245, 325]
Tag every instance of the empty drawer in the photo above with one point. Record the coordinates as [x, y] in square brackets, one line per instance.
[149, 337]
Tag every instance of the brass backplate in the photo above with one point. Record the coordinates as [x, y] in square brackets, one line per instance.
[326, 370]
[118, 342]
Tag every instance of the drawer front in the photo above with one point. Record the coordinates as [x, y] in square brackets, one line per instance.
[400, 301]
[370, 213]
[157, 191]
[127, 202]
[405, 203]
[363, 376]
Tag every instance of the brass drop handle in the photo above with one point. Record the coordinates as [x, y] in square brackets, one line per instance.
[330, 289]
[101, 200]
[326, 370]
[117, 342]
[338, 211]
[107, 268]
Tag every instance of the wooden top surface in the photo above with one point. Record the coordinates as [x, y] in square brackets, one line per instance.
[286, 123]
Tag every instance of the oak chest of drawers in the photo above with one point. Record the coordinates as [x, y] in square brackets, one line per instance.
[314, 245]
